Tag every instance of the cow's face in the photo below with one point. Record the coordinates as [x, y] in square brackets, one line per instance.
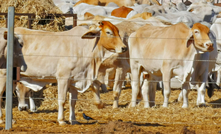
[22, 92]
[109, 37]
[200, 38]
[18, 57]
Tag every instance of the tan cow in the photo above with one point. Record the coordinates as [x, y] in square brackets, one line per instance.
[166, 52]
[71, 58]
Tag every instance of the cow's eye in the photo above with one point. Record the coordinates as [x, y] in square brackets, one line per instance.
[108, 32]
[196, 31]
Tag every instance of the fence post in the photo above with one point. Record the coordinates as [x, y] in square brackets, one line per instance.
[75, 20]
[9, 81]
[29, 22]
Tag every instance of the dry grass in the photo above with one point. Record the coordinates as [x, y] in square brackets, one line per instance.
[38, 7]
[158, 119]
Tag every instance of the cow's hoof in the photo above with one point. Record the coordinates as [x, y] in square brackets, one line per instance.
[13, 121]
[201, 105]
[185, 106]
[33, 110]
[73, 122]
[62, 123]
[101, 105]
[115, 104]
[147, 106]
[165, 105]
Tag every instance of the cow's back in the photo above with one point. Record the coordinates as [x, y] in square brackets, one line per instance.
[45, 52]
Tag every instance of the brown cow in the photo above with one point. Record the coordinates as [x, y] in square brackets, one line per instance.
[121, 12]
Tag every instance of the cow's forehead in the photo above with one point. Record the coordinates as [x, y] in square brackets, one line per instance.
[110, 26]
[201, 27]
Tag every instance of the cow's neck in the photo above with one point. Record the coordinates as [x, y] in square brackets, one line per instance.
[100, 54]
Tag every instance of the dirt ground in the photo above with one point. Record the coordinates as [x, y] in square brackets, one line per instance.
[123, 120]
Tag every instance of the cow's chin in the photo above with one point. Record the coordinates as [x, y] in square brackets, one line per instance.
[205, 50]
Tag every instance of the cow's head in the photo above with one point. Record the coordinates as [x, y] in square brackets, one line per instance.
[22, 92]
[18, 57]
[109, 37]
[199, 37]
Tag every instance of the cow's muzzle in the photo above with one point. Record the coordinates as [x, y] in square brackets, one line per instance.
[124, 49]
[22, 108]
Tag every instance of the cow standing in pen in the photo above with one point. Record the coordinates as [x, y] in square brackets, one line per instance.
[166, 52]
[71, 58]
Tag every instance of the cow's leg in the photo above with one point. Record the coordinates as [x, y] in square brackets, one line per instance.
[218, 77]
[101, 77]
[96, 91]
[166, 84]
[180, 97]
[31, 102]
[152, 93]
[62, 91]
[185, 92]
[72, 101]
[145, 92]
[135, 82]
[201, 94]
[119, 78]
[2, 89]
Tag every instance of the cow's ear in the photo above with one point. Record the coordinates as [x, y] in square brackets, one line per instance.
[5, 35]
[190, 40]
[91, 34]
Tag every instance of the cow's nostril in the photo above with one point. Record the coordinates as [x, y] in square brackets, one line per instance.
[22, 108]
[124, 49]
[209, 44]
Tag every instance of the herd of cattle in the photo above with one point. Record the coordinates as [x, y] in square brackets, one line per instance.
[172, 44]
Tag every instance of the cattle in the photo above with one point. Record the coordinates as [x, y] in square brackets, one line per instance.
[17, 62]
[71, 59]
[149, 2]
[116, 66]
[165, 52]
[180, 16]
[207, 12]
[106, 2]
[121, 12]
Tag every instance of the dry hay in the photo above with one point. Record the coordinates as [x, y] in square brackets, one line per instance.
[38, 7]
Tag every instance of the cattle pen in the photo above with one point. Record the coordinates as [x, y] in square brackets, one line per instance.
[174, 119]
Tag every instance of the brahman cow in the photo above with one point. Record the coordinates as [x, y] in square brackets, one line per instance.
[166, 52]
[71, 58]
